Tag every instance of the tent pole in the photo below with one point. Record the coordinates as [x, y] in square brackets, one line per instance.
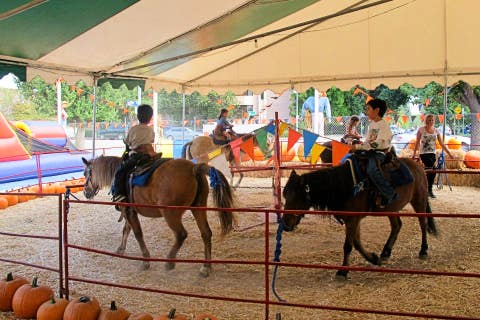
[95, 83]
[183, 114]
[155, 116]
[59, 101]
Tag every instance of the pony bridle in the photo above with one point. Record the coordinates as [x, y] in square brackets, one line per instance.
[88, 181]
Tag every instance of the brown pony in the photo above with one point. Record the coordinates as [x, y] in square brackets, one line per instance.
[332, 189]
[177, 182]
[200, 147]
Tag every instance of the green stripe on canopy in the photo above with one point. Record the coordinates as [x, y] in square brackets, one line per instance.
[19, 71]
[117, 82]
[35, 32]
[228, 28]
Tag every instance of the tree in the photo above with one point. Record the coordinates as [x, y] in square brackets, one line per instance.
[467, 95]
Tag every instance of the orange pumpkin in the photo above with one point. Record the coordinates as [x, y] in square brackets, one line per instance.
[8, 287]
[141, 316]
[472, 159]
[22, 198]
[454, 144]
[171, 315]
[114, 313]
[3, 202]
[52, 309]
[11, 199]
[301, 154]
[285, 155]
[205, 316]
[83, 308]
[28, 298]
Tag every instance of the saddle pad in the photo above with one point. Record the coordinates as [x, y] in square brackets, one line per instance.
[142, 178]
[401, 176]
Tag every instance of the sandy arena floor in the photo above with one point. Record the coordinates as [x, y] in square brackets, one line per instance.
[317, 240]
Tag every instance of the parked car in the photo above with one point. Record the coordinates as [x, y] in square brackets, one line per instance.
[112, 133]
[180, 133]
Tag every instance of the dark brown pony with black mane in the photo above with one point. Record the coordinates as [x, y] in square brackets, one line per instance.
[332, 189]
[176, 182]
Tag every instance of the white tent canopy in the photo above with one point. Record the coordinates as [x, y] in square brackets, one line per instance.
[390, 42]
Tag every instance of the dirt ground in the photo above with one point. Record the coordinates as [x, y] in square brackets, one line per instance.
[317, 240]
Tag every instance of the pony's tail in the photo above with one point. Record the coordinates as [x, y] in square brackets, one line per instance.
[431, 226]
[186, 151]
[222, 195]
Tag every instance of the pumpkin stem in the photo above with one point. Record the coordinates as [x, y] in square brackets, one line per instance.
[53, 300]
[84, 299]
[171, 314]
[9, 276]
[113, 307]
[34, 282]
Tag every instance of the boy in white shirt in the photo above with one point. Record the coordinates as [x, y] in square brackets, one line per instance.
[378, 140]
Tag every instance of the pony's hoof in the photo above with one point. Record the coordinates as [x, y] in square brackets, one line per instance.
[376, 260]
[385, 255]
[145, 265]
[169, 266]
[120, 251]
[341, 275]
[423, 255]
[205, 272]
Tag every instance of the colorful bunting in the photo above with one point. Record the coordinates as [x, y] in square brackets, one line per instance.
[368, 99]
[339, 150]
[309, 139]
[405, 118]
[440, 118]
[478, 117]
[247, 146]
[422, 117]
[315, 153]
[271, 128]
[293, 137]
[388, 119]
[339, 119]
[282, 128]
[261, 136]
[458, 116]
[235, 145]
[214, 153]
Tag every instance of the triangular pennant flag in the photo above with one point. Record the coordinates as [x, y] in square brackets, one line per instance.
[247, 146]
[316, 151]
[422, 117]
[339, 150]
[357, 91]
[405, 119]
[262, 139]
[271, 128]
[440, 118]
[282, 128]
[369, 98]
[293, 137]
[388, 119]
[339, 119]
[214, 153]
[309, 139]
[458, 116]
[235, 145]
[478, 117]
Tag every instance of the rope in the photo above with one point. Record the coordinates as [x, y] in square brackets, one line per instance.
[276, 258]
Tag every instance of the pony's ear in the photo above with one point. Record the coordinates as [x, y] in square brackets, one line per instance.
[84, 161]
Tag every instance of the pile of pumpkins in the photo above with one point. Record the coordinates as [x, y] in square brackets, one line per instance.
[51, 187]
[32, 301]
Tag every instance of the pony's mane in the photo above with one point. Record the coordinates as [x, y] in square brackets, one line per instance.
[104, 168]
[330, 187]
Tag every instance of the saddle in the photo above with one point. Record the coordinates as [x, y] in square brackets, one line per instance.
[394, 171]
